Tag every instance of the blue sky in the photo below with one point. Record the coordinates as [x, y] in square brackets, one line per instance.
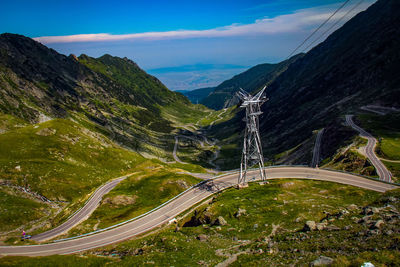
[169, 34]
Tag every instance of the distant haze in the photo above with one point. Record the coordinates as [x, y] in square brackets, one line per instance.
[189, 77]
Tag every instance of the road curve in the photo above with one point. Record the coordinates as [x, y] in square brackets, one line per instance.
[82, 214]
[317, 149]
[196, 194]
[383, 173]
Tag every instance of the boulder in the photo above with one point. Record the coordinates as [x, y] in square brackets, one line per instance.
[310, 226]
[334, 228]
[220, 221]
[320, 226]
[240, 212]
[352, 207]
[202, 237]
[379, 224]
[321, 261]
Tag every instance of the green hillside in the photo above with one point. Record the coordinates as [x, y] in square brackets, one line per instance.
[114, 94]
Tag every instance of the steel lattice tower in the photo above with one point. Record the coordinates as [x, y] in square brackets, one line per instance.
[252, 149]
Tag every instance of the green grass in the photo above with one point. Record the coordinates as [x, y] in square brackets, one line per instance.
[50, 261]
[287, 203]
[16, 209]
[61, 160]
[151, 185]
[8, 122]
[188, 167]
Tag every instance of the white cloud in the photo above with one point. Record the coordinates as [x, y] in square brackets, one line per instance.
[297, 21]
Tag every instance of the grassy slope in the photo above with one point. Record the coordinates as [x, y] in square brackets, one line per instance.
[16, 209]
[60, 159]
[287, 203]
[152, 184]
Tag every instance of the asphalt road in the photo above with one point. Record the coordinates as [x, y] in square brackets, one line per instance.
[381, 169]
[81, 214]
[195, 195]
[317, 149]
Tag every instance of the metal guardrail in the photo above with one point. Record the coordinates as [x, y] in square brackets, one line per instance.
[144, 214]
[203, 182]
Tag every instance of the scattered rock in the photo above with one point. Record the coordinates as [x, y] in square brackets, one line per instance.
[298, 219]
[322, 260]
[18, 168]
[220, 221]
[370, 210]
[309, 226]
[255, 226]
[365, 219]
[240, 212]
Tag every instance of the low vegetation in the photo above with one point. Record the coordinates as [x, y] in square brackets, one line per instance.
[38, 156]
[151, 185]
[275, 225]
[18, 209]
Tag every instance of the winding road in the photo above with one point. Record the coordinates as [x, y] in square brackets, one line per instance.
[317, 149]
[184, 201]
[381, 169]
[216, 153]
[81, 214]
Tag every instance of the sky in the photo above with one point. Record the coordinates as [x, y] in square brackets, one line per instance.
[187, 44]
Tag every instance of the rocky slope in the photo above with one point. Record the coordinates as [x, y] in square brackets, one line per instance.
[355, 66]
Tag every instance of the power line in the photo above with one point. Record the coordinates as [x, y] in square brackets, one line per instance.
[345, 15]
[320, 26]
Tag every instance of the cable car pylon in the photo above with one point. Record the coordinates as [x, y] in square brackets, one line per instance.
[252, 154]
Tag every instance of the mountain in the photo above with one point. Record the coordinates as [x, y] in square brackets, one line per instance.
[224, 94]
[196, 96]
[356, 65]
[111, 94]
